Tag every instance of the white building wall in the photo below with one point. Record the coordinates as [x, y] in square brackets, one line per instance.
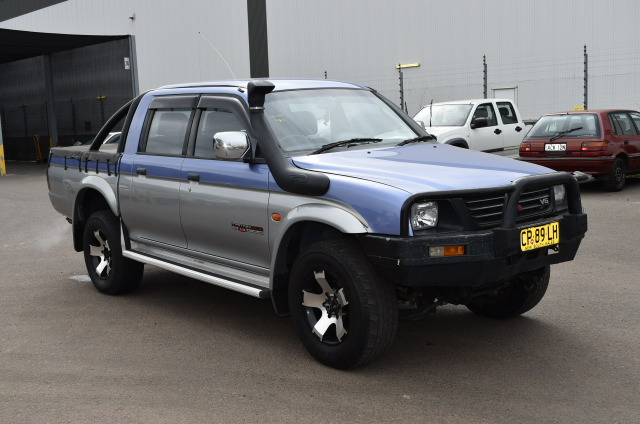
[533, 46]
[169, 46]
[536, 46]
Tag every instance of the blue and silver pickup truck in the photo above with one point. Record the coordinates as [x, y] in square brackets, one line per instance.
[321, 196]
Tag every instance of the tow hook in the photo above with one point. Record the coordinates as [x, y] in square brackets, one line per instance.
[419, 313]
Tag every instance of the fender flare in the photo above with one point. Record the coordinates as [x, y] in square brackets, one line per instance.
[102, 187]
[337, 221]
[341, 219]
[458, 141]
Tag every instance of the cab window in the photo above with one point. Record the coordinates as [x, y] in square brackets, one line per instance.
[485, 110]
[507, 113]
[167, 132]
[214, 120]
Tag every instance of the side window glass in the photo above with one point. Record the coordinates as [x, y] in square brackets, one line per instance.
[636, 119]
[167, 132]
[486, 111]
[507, 113]
[212, 121]
[623, 124]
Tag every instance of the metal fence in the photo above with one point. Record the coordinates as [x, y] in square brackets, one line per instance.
[539, 83]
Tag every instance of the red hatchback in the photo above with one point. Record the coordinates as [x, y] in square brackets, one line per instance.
[603, 143]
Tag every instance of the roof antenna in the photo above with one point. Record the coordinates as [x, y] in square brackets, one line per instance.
[219, 54]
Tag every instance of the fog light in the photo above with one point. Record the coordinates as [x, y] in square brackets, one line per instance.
[560, 196]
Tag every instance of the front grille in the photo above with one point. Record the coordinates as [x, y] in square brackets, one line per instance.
[534, 203]
[487, 210]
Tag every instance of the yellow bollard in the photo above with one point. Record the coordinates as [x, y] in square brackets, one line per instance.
[3, 168]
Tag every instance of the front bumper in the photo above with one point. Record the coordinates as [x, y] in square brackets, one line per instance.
[491, 255]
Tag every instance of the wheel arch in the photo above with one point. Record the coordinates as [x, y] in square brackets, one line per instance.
[623, 156]
[306, 225]
[96, 195]
[458, 142]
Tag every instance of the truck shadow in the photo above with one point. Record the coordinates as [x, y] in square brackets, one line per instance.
[453, 341]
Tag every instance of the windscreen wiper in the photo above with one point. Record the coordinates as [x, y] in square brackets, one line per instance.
[563, 133]
[417, 139]
[350, 142]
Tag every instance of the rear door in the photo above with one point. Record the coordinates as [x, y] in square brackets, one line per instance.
[224, 204]
[627, 134]
[634, 151]
[152, 212]
[512, 128]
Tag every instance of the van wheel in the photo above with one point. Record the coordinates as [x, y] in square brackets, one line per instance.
[615, 181]
[110, 272]
[523, 292]
[343, 313]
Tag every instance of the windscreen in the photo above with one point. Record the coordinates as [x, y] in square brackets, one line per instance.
[306, 120]
[443, 115]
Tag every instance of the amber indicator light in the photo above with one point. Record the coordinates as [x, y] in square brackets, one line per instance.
[454, 250]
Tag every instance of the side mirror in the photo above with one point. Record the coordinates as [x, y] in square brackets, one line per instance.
[421, 123]
[479, 123]
[230, 145]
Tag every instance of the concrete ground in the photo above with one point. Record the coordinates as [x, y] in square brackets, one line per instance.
[181, 351]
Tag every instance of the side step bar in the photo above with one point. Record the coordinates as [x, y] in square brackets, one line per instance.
[258, 292]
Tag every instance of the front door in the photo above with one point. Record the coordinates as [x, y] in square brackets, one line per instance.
[489, 138]
[224, 204]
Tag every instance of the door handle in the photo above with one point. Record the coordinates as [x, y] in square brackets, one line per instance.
[141, 171]
[518, 129]
[626, 142]
[498, 131]
[193, 177]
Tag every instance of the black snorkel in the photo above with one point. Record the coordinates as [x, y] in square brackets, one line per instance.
[288, 177]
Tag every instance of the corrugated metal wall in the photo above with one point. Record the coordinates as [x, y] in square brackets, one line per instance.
[535, 47]
[170, 47]
[89, 84]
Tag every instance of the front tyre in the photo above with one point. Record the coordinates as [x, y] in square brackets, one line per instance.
[520, 295]
[110, 272]
[344, 314]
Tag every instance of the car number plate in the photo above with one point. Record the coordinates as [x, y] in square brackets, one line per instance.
[555, 147]
[541, 236]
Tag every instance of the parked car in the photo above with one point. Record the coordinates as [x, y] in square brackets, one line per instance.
[488, 125]
[602, 143]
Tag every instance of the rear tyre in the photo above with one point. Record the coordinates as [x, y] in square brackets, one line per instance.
[523, 292]
[616, 180]
[344, 314]
[110, 272]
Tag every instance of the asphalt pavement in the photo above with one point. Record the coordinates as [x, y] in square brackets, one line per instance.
[182, 351]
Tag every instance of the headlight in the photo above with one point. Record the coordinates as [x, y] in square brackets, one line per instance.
[424, 215]
[560, 196]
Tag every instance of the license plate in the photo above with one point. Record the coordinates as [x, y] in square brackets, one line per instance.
[555, 147]
[541, 236]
